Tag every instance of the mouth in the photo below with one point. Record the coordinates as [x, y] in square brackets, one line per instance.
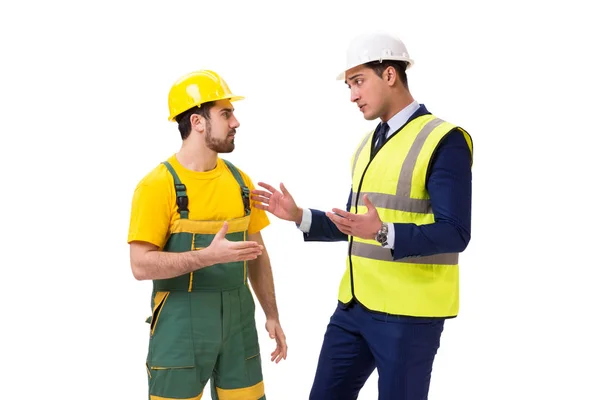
[361, 107]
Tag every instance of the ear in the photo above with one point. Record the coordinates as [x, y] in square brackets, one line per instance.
[197, 122]
[390, 75]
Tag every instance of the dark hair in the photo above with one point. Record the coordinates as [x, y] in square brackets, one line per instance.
[399, 66]
[183, 119]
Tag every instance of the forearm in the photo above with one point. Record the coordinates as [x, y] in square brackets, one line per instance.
[319, 228]
[261, 278]
[164, 265]
[322, 229]
[424, 240]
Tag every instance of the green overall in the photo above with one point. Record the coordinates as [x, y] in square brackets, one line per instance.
[202, 324]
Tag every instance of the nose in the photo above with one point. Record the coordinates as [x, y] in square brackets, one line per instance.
[234, 124]
[354, 95]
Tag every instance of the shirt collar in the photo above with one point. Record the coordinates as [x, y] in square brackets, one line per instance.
[398, 120]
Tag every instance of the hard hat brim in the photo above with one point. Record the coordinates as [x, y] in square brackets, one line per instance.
[231, 98]
[409, 63]
[234, 98]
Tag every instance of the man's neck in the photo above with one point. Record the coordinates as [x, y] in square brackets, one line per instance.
[197, 157]
[398, 104]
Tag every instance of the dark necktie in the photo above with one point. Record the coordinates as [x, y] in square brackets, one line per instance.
[380, 136]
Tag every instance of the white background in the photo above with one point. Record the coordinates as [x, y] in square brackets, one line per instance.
[83, 90]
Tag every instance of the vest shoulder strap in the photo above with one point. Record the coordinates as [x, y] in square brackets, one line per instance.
[244, 188]
[180, 190]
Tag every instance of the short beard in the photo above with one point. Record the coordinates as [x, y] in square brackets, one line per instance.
[217, 145]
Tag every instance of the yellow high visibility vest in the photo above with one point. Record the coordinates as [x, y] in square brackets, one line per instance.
[395, 183]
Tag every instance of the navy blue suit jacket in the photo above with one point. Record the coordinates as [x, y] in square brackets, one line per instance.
[449, 186]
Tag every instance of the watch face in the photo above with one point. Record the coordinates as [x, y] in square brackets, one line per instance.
[381, 236]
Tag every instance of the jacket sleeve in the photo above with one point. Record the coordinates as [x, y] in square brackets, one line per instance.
[322, 229]
[449, 187]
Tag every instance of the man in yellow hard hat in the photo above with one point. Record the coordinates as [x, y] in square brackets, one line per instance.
[407, 218]
[195, 234]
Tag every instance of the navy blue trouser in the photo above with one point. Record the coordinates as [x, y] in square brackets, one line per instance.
[358, 341]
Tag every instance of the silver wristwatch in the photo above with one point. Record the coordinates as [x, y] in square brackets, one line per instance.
[382, 234]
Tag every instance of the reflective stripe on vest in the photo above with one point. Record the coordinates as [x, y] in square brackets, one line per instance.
[395, 182]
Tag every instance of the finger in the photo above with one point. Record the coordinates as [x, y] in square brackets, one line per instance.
[249, 256]
[261, 206]
[249, 252]
[283, 345]
[339, 221]
[284, 190]
[262, 193]
[221, 233]
[342, 228]
[281, 353]
[345, 230]
[343, 213]
[245, 245]
[368, 203]
[267, 186]
[261, 199]
[258, 198]
[275, 354]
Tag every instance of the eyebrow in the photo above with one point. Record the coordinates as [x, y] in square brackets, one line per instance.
[353, 77]
[227, 110]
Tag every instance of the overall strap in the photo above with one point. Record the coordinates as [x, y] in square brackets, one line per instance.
[240, 181]
[182, 199]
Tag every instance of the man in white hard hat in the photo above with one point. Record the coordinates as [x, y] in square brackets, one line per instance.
[407, 219]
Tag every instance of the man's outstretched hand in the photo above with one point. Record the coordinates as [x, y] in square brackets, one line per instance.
[364, 226]
[280, 204]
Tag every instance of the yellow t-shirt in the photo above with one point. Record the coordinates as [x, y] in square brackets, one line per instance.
[213, 195]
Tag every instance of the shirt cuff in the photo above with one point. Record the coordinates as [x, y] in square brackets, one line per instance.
[390, 236]
[306, 220]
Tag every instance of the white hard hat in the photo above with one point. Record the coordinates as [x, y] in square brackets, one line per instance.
[375, 47]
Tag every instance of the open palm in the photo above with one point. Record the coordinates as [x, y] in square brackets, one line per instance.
[280, 204]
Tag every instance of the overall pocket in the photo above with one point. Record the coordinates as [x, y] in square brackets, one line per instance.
[171, 344]
[157, 305]
[249, 333]
[250, 338]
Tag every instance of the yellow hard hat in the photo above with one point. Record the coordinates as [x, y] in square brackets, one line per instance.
[196, 88]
